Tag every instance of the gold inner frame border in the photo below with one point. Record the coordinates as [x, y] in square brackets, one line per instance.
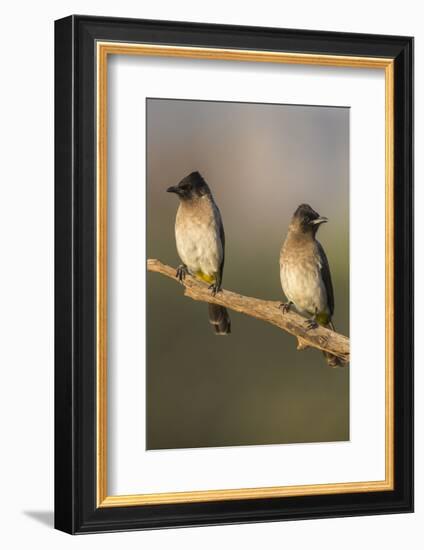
[103, 50]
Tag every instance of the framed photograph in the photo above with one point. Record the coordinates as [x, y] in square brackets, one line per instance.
[234, 274]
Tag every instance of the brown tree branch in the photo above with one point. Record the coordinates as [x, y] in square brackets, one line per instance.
[265, 310]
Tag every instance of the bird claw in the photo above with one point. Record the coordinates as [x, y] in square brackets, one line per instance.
[215, 288]
[285, 307]
[311, 324]
[181, 272]
[323, 340]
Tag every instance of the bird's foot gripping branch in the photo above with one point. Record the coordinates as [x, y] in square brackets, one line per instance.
[265, 310]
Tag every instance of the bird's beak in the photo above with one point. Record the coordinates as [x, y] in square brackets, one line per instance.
[173, 189]
[320, 220]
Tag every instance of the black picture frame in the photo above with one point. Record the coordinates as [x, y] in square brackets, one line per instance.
[75, 275]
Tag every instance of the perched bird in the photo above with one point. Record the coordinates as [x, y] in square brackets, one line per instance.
[305, 272]
[200, 240]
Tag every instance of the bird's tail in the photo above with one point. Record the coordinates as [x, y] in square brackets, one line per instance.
[332, 360]
[219, 319]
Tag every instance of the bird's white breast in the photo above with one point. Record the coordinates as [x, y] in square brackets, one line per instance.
[302, 283]
[197, 237]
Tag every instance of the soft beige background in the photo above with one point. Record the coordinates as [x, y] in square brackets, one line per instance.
[252, 387]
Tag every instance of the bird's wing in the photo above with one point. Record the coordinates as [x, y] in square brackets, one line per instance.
[326, 277]
[221, 233]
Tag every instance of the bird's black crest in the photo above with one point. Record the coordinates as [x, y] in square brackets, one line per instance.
[305, 219]
[305, 213]
[191, 187]
[195, 179]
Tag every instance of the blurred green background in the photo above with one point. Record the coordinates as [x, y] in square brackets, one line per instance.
[252, 387]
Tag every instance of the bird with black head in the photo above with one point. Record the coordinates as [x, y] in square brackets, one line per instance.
[200, 240]
[305, 272]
